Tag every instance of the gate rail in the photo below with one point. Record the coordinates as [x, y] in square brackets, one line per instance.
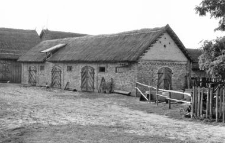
[162, 90]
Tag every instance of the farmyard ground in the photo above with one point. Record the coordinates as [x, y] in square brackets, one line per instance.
[37, 115]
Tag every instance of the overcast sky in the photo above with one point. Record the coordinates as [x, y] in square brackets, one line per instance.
[110, 16]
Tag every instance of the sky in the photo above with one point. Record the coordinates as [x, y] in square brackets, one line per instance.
[110, 16]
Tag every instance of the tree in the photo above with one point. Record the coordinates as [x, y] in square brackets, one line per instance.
[216, 9]
[212, 59]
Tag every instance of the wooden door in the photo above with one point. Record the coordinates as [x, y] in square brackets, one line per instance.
[87, 78]
[32, 75]
[164, 78]
[56, 77]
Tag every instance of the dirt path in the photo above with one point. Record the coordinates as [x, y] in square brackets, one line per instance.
[21, 106]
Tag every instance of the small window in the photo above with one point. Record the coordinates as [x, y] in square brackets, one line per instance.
[69, 68]
[42, 68]
[101, 69]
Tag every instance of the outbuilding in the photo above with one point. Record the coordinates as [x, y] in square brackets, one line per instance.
[14, 43]
[149, 56]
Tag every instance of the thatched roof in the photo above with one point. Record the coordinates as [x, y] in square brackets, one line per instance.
[15, 42]
[195, 53]
[121, 47]
[50, 35]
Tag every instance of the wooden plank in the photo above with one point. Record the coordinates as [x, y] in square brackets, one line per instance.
[223, 104]
[192, 101]
[220, 101]
[217, 92]
[67, 86]
[201, 101]
[198, 105]
[157, 88]
[122, 92]
[210, 102]
[196, 101]
[136, 90]
[207, 103]
[149, 92]
[169, 101]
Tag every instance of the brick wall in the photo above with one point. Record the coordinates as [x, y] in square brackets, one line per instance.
[147, 72]
[164, 49]
[125, 80]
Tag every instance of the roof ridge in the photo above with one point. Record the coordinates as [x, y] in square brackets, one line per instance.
[111, 35]
[16, 29]
[63, 31]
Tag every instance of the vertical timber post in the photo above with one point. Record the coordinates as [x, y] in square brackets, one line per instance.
[207, 102]
[196, 101]
[198, 105]
[149, 92]
[136, 89]
[223, 109]
[220, 105]
[157, 88]
[192, 101]
[201, 101]
[210, 101]
[169, 101]
[217, 92]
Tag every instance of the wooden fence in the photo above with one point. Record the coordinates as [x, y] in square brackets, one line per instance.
[208, 99]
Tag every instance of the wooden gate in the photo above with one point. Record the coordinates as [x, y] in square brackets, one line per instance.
[87, 78]
[32, 75]
[56, 77]
[164, 78]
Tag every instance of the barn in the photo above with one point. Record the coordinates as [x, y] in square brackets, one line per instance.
[14, 43]
[83, 63]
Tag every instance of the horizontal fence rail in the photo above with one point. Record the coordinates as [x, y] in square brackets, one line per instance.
[159, 92]
[172, 91]
[207, 98]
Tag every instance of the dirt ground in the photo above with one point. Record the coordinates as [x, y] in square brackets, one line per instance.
[39, 115]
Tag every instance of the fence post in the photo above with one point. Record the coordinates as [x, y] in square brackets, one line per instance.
[149, 92]
[169, 101]
[192, 101]
[220, 105]
[201, 101]
[207, 103]
[157, 95]
[217, 92]
[196, 101]
[223, 109]
[210, 101]
[198, 105]
[136, 89]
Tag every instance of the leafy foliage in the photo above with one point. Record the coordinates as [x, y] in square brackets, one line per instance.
[213, 58]
[216, 8]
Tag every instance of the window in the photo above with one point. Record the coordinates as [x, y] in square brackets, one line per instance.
[101, 69]
[69, 68]
[42, 68]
